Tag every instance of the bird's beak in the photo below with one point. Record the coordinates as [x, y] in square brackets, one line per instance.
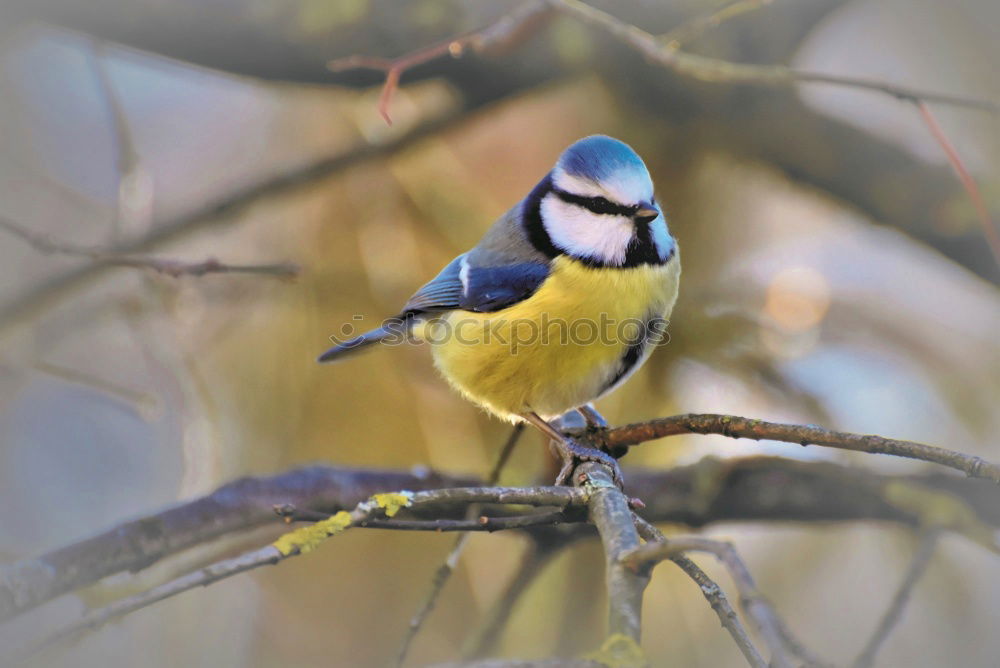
[646, 214]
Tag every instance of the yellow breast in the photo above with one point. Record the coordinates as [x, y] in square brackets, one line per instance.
[559, 348]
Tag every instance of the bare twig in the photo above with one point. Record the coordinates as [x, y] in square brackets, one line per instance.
[483, 523]
[654, 49]
[167, 266]
[969, 183]
[918, 566]
[740, 427]
[444, 571]
[712, 593]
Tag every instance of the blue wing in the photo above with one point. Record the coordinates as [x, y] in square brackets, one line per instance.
[484, 289]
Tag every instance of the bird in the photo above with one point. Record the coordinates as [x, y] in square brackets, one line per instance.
[510, 322]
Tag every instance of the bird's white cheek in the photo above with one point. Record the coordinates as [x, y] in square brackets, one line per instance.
[582, 233]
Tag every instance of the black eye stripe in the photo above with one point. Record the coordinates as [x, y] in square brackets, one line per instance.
[598, 205]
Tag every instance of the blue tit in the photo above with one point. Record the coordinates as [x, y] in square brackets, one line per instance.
[561, 301]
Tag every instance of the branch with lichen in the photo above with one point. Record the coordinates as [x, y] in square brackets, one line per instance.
[306, 539]
[712, 490]
[608, 508]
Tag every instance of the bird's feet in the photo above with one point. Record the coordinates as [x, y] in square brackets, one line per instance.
[573, 454]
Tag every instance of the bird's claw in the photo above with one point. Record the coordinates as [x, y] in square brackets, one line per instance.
[574, 454]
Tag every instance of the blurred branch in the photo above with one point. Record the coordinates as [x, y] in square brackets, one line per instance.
[918, 566]
[714, 70]
[213, 213]
[969, 183]
[669, 55]
[740, 427]
[170, 267]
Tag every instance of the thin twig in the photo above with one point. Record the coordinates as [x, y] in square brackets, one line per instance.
[772, 627]
[480, 524]
[982, 213]
[713, 594]
[444, 571]
[740, 427]
[918, 566]
[170, 267]
[504, 31]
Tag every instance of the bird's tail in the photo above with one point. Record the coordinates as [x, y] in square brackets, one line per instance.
[393, 331]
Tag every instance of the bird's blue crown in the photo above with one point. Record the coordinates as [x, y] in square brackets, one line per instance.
[605, 160]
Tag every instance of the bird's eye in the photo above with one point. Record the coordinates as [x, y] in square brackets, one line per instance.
[602, 202]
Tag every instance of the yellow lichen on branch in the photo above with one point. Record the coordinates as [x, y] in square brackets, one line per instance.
[308, 538]
[392, 502]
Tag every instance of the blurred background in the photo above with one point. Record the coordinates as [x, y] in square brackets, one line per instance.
[834, 272]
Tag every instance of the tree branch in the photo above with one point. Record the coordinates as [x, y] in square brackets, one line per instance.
[739, 427]
[712, 490]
